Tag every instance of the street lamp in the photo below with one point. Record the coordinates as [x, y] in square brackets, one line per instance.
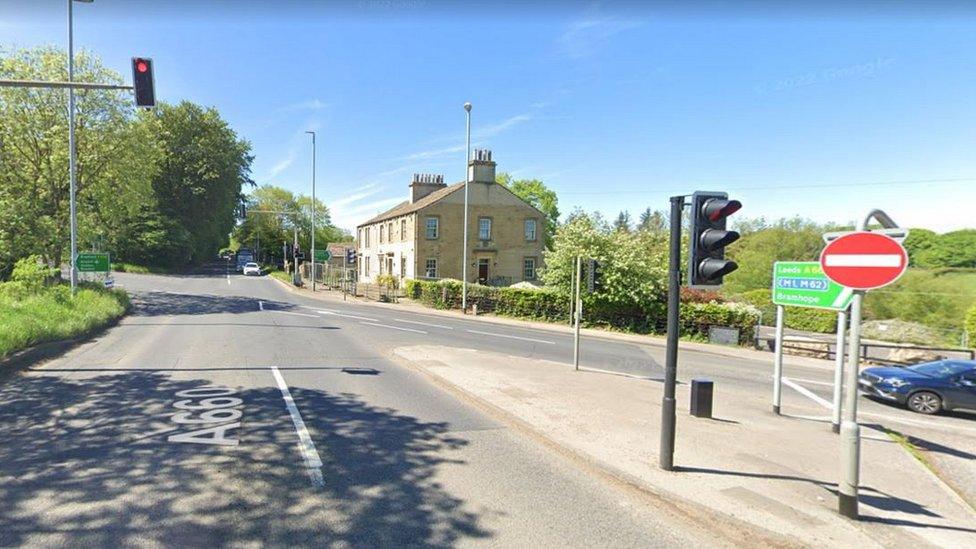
[464, 246]
[71, 147]
[313, 208]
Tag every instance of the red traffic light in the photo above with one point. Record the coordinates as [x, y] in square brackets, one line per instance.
[715, 208]
[142, 66]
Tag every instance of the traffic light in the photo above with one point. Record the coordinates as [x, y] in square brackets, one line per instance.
[707, 263]
[142, 82]
[594, 278]
[350, 256]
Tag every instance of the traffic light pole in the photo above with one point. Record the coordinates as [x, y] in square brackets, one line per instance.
[671, 354]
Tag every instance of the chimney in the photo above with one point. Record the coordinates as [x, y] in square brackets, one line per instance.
[424, 184]
[481, 168]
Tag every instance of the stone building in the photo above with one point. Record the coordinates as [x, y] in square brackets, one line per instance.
[421, 237]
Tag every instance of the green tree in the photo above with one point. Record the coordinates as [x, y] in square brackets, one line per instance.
[762, 244]
[115, 160]
[954, 249]
[918, 244]
[652, 220]
[536, 193]
[204, 168]
[622, 223]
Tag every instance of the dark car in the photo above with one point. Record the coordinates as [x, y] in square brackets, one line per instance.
[925, 388]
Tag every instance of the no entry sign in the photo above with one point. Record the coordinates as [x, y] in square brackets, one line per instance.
[864, 260]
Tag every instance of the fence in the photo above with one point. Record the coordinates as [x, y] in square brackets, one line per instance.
[878, 353]
[346, 280]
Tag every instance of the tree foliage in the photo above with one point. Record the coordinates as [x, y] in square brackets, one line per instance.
[764, 243]
[536, 193]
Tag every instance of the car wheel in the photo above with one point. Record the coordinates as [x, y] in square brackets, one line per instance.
[925, 402]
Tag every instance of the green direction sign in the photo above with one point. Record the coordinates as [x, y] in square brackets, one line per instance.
[89, 262]
[804, 284]
[323, 255]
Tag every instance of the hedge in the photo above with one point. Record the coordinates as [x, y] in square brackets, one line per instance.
[552, 306]
[971, 326]
[797, 318]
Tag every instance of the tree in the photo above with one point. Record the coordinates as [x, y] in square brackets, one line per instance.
[762, 244]
[652, 220]
[204, 168]
[115, 160]
[537, 194]
[622, 223]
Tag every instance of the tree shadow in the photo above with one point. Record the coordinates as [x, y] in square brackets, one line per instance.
[175, 304]
[924, 444]
[87, 461]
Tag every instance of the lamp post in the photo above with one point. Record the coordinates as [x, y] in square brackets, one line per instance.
[313, 208]
[71, 147]
[464, 246]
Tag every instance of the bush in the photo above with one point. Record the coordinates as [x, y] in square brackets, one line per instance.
[901, 331]
[32, 274]
[696, 318]
[797, 318]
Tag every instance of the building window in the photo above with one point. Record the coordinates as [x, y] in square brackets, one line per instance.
[430, 269]
[433, 228]
[530, 233]
[381, 233]
[484, 228]
[528, 268]
[389, 232]
[403, 230]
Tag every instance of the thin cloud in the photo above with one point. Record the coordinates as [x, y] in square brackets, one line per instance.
[586, 36]
[366, 191]
[281, 166]
[349, 218]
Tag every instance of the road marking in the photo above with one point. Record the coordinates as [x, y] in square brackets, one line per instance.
[862, 260]
[394, 327]
[511, 337]
[812, 381]
[809, 394]
[423, 323]
[313, 463]
[327, 312]
[261, 305]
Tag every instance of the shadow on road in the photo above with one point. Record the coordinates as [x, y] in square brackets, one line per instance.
[84, 462]
[174, 304]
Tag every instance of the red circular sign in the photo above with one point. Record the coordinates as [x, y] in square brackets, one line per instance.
[864, 260]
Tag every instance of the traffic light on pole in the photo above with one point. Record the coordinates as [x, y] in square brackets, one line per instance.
[594, 279]
[350, 256]
[709, 237]
[142, 82]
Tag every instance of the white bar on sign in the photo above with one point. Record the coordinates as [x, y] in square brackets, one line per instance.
[863, 260]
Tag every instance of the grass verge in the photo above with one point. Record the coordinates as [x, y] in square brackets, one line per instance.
[282, 276]
[139, 269]
[52, 314]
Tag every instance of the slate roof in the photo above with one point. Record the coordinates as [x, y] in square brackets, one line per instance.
[406, 207]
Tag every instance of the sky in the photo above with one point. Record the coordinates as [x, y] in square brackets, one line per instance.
[824, 111]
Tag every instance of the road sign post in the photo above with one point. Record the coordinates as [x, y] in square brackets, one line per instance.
[862, 261]
[804, 284]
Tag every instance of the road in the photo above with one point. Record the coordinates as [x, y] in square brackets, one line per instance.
[231, 411]
[226, 411]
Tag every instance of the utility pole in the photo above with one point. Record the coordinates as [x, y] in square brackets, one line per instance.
[464, 245]
[72, 190]
[671, 353]
[578, 313]
[313, 208]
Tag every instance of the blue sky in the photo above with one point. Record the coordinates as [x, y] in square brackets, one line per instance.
[824, 113]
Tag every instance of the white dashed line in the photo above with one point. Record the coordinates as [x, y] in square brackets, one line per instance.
[394, 327]
[291, 313]
[511, 337]
[423, 323]
[320, 311]
[260, 305]
[313, 463]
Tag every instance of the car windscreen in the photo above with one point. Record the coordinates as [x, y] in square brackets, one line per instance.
[941, 369]
[251, 265]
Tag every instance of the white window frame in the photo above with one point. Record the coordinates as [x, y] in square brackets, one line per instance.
[428, 272]
[535, 230]
[525, 262]
[437, 227]
[403, 230]
[482, 234]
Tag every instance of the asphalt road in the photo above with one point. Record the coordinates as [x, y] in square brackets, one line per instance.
[229, 411]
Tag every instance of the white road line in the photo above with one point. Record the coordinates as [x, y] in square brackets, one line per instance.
[313, 463]
[807, 393]
[394, 327]
[423, 323]
[345, 315]
[261, 305]
[291, 313]
[511, 337]
[812, 381]
[862, 260]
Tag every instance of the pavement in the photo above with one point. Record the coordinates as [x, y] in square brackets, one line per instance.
[227, 411]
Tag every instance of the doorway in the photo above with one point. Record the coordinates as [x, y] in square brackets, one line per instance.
[483, 270]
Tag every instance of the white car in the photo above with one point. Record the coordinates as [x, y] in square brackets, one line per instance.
[252, 269]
